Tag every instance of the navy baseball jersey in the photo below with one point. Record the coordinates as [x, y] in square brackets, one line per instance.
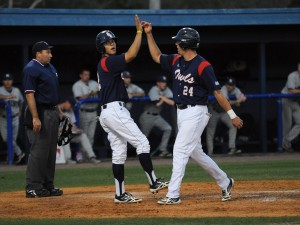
[43, 81]
[193, 80]
[111, 84]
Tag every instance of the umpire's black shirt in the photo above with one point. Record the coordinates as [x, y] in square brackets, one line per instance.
[43, 81]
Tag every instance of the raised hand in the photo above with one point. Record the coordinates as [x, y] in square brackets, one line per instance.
[147, 27]
[138, 23]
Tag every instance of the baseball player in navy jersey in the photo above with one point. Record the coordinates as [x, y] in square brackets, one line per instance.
[115, 118]
[193, 80]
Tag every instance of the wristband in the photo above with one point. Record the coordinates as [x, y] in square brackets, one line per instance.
[231, 114]
[139, 31]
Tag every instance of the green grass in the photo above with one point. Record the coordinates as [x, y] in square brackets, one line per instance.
[157, 221]
[78, 177]
[98, 176]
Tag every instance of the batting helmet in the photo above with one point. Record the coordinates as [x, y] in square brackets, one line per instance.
[188, 38]
[102, 38]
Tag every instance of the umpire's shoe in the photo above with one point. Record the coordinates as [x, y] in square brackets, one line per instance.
[39, 193]
[226, 194]
[126, 197]
[158, 185]
[56, 192]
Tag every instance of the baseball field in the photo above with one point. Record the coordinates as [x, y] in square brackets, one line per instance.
[267, 191]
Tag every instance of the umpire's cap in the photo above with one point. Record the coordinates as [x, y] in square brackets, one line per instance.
[39, 46]
[102, 38]
[7, 76]
[230, 81]
[187, 38]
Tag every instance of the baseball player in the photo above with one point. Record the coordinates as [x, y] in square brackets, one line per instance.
[193, 79]
[115, 118]
[218, 114]
[291, 110]
[159, 95]
[132, 89]
[82, 89]
[13, 96]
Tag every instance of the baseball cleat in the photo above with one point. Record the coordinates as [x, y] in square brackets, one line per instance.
[19, 158]
[126, 197]
[39, 193]
[226, 194]
[169, 201]
[234, 151]
[158, 185]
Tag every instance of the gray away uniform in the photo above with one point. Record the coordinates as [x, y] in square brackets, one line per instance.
[88, 111]
[223, 116]
[290, 111]
[14, 104]
[151, 117]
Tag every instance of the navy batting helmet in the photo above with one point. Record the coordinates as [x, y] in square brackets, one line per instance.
[102, 38]
[188, 38]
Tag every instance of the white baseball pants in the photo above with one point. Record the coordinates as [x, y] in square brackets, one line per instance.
[191, 123]
[117, 122]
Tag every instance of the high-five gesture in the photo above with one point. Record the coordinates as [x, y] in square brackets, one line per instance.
[138, 24]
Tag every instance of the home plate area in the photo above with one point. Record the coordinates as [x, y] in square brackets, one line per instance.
[203, 199]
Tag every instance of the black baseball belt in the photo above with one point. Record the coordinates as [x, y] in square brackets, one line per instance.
[88, 110]
[153, 114]
[104, 106]
[184, 106]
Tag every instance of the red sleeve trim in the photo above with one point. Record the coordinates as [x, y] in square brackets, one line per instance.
[103, 64]
[202, 66]
[175, 59]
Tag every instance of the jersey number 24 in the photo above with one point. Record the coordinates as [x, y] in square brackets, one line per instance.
[188, 91]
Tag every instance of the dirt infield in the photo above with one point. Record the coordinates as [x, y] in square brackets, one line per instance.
[250, 198]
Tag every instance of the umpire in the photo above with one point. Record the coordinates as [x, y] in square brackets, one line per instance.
[40, 81]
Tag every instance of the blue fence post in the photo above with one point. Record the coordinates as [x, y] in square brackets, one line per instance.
[9, 135]
[279, 121]
[263, 113]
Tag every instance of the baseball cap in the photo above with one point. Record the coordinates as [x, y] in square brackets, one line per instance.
[161, 79]
[126, 74]
[230, 81]
[7, 76]
[39, 46]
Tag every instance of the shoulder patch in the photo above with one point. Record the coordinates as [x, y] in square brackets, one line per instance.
[202, 66]
[103, 64]
[175, 59]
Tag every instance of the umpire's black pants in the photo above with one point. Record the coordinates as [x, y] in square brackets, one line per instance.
[41, 162]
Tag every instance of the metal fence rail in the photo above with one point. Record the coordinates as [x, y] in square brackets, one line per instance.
[249, 96]
[146, 98]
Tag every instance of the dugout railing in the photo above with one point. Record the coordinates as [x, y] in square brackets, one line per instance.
[146, 98]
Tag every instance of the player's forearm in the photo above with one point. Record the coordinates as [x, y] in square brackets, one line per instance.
[32, 105]
[138, 94]
[20, 108]
[153, 48]
[3, 97]
[134, 48]
[294, 91]
[222, 100]
[169, 101]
